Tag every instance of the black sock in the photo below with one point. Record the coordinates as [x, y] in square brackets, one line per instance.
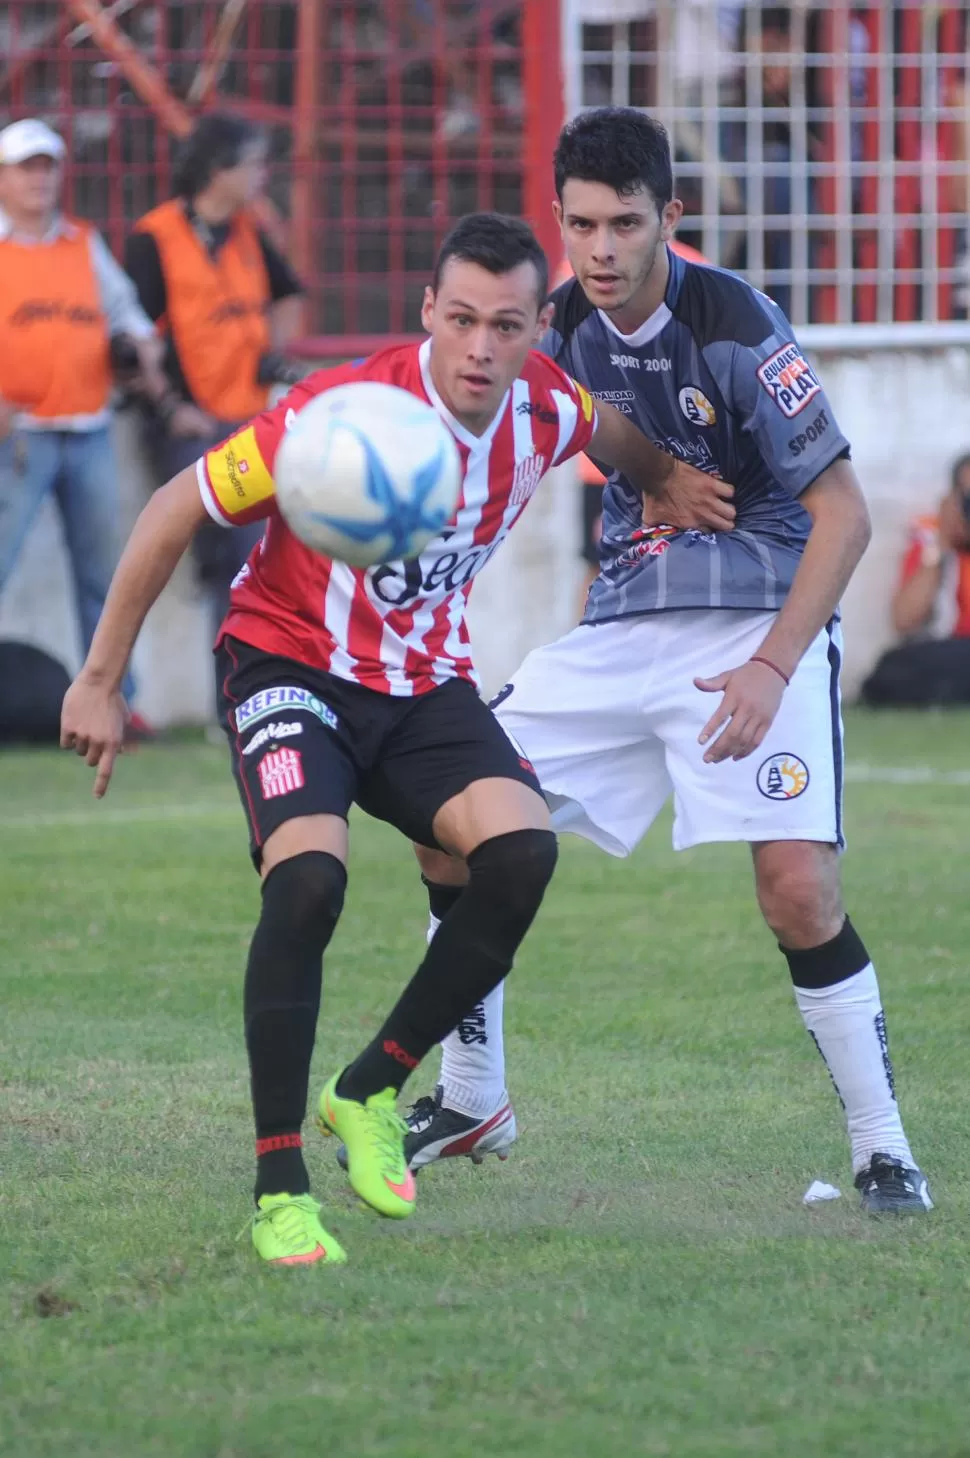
[441, 898]
[302, 899]
[471, 953]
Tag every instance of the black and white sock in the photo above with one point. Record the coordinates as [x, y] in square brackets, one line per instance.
[473, 1054]
[838, 996]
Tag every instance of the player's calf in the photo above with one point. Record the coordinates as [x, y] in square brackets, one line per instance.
[471, 954]
[837, 993]
[302, 899]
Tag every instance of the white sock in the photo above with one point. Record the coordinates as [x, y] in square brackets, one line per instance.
[473, 1060]
[848, 1025]
[473, 1056]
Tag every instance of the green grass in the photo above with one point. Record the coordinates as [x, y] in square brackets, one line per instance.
[640, 1278]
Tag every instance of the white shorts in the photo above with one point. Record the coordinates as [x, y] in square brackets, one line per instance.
[609, 717]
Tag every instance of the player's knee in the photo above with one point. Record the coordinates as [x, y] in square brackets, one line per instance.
[799, 895]
[512, 872]
[439, 868]
[304, 895]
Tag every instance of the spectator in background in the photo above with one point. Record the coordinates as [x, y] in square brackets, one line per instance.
[931, 610]
[66, 311]
[201, 260]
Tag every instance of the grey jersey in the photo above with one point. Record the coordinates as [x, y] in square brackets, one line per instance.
[716, 377]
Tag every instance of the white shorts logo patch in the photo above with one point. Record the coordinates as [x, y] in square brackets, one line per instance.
[280, 772]
[789, 379]
[696, 406]
[271, 731]
[783, 777]
[274, 700]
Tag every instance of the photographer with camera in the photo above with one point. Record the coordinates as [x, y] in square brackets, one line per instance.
[931, 610]
[226, 303]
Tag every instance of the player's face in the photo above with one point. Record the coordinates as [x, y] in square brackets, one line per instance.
[614, 242]
[482, 326]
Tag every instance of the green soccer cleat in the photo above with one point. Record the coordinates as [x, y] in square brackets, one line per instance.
[374, 1136]
[287, 1232]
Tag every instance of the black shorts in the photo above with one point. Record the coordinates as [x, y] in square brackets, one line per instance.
[305, 742]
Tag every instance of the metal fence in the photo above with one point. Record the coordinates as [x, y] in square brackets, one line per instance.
[821, 149]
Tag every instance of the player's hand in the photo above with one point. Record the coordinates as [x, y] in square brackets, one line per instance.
[751, 698]
[93, 725]
[691, 499]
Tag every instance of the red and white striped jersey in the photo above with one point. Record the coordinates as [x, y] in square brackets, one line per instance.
[399, 627]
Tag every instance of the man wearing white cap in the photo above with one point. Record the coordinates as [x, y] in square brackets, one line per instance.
[65, 308]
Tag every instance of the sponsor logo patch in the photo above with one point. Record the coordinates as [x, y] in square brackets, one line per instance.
[272, 731]
[622, 400]
[789, 379]
[280, 773]
[810, 434]
[695, 405]
[634, 362]
[783, 777]
[237, 474]
[651, 541]
[274, 700]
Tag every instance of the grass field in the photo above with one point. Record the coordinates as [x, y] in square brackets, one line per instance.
[640, 1278]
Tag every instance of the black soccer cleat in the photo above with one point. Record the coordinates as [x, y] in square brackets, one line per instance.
[436, 1132]
[887, 1186]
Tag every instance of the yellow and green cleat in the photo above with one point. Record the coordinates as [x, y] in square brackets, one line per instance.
[373, 1133]
[287, 1232]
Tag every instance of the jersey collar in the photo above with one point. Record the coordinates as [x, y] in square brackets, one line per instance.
[474, 443]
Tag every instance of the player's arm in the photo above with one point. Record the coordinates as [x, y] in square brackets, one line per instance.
[752, 693]
[93, 716]
[674, 492]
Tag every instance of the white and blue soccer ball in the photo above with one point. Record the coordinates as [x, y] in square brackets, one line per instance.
[367, 473]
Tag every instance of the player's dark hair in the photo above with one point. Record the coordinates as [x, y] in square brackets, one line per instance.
[496, 243]
[619, 146]
[216, 143]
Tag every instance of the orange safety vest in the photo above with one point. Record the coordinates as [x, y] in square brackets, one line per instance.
[53, 334]
[216, 310]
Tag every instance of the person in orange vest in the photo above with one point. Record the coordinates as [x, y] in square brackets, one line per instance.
[591, 479]
[226, 303]
[68, 313]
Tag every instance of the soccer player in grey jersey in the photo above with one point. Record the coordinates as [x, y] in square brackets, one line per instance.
[714, 657]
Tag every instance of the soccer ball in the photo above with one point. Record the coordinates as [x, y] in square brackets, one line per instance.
[367, 473]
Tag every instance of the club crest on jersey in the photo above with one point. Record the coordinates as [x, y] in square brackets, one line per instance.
[696, 406]
[789, 379]
[528, 474]
[783, 777]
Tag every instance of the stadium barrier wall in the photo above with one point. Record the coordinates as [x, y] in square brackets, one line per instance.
[902, 396]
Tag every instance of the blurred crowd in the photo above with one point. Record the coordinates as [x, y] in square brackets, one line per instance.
[134, 327]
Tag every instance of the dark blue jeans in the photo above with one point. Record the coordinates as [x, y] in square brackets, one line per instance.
[79, 468]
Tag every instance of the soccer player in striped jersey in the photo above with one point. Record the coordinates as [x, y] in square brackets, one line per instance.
[710, 369]
[339, 685]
